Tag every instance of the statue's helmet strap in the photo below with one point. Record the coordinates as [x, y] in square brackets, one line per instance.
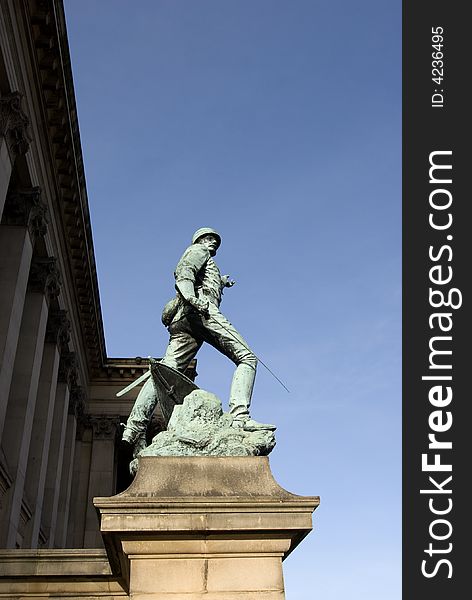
[205, 231]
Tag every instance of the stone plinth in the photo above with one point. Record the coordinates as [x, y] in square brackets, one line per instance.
[72, 574]
[203, 528]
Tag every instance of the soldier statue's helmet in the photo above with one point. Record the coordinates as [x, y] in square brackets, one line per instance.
[206, 231]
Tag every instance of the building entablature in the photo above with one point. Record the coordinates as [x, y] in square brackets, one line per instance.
[39, 119]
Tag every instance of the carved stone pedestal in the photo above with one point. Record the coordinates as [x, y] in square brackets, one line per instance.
[203, 528]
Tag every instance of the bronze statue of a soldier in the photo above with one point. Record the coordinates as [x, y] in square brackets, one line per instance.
[194, 317]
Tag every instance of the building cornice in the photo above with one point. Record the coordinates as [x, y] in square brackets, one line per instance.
[50, 53]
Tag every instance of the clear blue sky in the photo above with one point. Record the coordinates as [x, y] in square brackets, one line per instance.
[277, 123]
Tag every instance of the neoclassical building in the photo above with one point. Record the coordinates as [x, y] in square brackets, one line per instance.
[59, 416]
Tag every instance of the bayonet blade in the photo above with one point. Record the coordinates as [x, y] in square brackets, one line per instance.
[134, 384]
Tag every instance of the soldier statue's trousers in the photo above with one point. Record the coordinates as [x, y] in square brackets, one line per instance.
[186, 337]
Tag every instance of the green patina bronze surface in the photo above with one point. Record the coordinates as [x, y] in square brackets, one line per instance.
[199, 427]
[192, 318]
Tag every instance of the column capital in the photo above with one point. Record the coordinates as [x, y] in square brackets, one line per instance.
[14, 124]
[25, 207]
[44, 277]
[104, 427]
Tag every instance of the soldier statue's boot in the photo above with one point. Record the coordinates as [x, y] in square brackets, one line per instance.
[139, 444]
[240, 400]
[252, 425]
[128, 437]
[247, 424]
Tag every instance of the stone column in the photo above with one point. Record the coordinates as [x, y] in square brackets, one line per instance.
[40, 435]
[43, 285]
[102, 472]
[76, 407]
[24, 219]
[14, 138]
[81, 476]
[56, 456]
[203, 528]
[58, 363]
